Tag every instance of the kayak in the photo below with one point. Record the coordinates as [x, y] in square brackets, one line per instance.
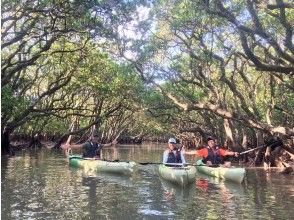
[90, 164]
[178, 175]
[232, 173]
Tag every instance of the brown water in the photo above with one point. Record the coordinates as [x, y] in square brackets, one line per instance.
[41, 185]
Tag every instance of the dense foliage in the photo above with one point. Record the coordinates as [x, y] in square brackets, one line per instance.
[148, 70]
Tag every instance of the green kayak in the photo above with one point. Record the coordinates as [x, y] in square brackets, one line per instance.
[232, 173]
[101, 166]
[178, 175]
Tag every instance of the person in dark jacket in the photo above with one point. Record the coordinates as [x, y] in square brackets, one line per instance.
[91, 148]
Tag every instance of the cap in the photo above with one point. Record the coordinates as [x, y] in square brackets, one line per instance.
[210, 138]
[172, 140]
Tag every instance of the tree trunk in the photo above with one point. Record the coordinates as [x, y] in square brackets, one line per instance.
[260, 153]
[259, 157]
[245, 147]
[229, 133]
[5, 143]
[35, 141]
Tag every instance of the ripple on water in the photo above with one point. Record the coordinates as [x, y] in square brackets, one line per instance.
[150, 212]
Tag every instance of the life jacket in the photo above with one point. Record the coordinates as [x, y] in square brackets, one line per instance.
[92, 150]
[174, 157]
[213, 156]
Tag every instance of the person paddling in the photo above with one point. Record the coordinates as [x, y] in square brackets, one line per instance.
[212, 155]
[172, 154]
[91, 148]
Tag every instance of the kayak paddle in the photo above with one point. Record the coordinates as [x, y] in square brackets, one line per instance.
[253, 149]
[144, 163]
[175, 164]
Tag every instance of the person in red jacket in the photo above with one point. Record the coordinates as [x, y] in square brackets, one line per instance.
[212, 155]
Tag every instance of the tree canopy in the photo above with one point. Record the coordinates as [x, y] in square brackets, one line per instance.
[147, 69]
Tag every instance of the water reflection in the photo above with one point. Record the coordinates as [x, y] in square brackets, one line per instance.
[104, 178]
[172, 192]
[41, 185]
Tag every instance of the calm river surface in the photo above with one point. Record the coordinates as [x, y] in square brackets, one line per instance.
[39, 184]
